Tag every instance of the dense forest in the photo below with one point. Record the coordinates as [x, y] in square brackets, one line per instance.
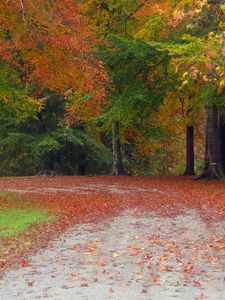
[131, 87]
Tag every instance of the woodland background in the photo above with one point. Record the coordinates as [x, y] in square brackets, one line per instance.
[93, 87]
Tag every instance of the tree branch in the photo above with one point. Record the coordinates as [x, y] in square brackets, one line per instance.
[157, 64]
[23, 12]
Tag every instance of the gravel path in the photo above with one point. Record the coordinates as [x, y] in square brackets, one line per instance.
[134, 256]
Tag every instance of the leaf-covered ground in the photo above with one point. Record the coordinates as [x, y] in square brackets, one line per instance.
[152, 235]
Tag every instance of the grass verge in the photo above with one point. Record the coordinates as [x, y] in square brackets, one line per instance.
[17, 214]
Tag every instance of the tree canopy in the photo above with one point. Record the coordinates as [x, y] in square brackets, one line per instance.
[74, 71]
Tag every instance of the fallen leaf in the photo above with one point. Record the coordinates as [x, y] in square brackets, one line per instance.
[66, 287]
[201, 297]
[196, 283]
[30, 283]
[24, 262]
[84, 285]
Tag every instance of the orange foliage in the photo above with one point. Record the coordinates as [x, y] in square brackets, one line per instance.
[51, 44]
[174, 14]
[155, 7]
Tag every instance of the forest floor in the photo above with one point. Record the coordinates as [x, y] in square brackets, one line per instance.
[116, 238]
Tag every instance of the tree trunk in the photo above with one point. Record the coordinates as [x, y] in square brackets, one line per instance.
[118, 168]
[222, 138]
[81, 165]
[213, 156]
[190, 157]
[48, 168]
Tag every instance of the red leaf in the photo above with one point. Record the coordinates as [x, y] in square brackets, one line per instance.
[66, 287]
[153, 238]
[201, 297]
[197, 283]
[84, 285]
[24, 263]
[30, 283]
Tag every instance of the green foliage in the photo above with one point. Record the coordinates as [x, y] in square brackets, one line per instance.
[111, 16]
[150, 57]
[187, 45]
[98, 156]
[129, 62]
[23, 153]
[14, 154]
[14, 98]
[40, 143]
[210, 96]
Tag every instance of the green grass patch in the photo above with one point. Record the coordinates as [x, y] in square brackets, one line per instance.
[13, 220]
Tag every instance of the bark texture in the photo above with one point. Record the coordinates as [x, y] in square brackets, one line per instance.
[222, 138]
[118, 168]
[213, 156]
[190, 156]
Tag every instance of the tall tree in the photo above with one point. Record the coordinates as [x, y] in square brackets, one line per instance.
[112, 18]
[51, 46]
[210, 65]
[129, 61]
[195, 26]
[166, 32]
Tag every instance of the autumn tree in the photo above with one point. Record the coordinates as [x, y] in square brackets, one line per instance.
[51, 46]
[111, 18]
[207, 25]
[129, 61]
[134, 96]
[187, 40]
[135, 72]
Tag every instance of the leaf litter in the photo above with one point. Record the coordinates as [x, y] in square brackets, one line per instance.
[169, 202]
